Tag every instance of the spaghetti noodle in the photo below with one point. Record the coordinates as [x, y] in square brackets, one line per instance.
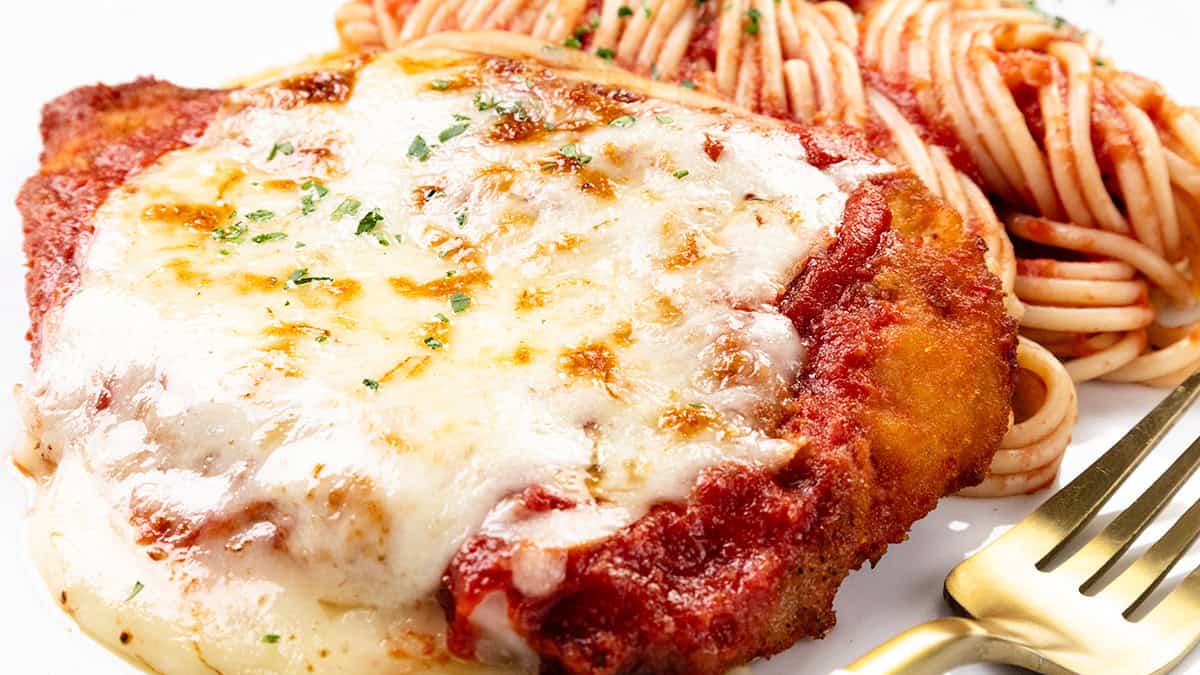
[992, 104]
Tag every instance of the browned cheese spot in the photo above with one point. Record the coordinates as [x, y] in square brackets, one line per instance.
[689, 252]
[593, 361]
[322, 86]
[688, 420]
[197, 217]
[441, 287]
[532, 298]
[408, 367]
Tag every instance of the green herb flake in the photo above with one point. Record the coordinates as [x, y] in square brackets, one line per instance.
[284, 148]
[605, 53]
[442, 317]
[623, 122]
[459, 302]
[134, 590]
[449, 274]
[572, 43]
[624, 11]
[461, 217]
[261, 215]
[484, 105]
[314, 185]
[348, 207]
[306, 205]
[231, 233]
[322, 338]
[572, 151]
[452, 131]
[270, 638]
[301, 277]
[440, 85]
[461, 117]
[663, 119]
[688, 84]
[751, 26]
[373, 385]
[369, 221]
[682, 173]
[433, 343]
[418, 149]
[268, 236]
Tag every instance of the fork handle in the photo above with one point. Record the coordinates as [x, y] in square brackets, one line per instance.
[938, 646]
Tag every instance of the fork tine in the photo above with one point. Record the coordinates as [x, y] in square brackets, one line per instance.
[1135, 584]
[1045, 531]
[1099, 554]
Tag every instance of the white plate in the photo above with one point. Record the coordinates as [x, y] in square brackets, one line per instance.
[50, 47]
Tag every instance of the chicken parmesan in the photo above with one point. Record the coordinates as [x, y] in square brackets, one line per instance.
[480, 356]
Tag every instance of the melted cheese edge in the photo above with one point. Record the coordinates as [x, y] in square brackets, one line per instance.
[302, 410]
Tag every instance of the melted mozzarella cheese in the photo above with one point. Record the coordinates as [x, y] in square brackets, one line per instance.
[335, 339]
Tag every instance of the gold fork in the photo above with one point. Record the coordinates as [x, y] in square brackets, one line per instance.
[1027, 611]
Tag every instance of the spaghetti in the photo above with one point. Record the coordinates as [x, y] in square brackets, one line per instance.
[993, 105]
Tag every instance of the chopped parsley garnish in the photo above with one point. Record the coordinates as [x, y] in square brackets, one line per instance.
[231, 233]
[459, 302]
[688, 84]
[270, 638]
[268, 236]
[682, 173]
[308, 201]
[451, 132]
[461, 217]
[369, 221]
[433, 343]
[461, 117]
[373, 385]
[442, 317]
[314, 185]
[482, 105]
[663, 119]
[605, 53]
[223, 252]
[440, 85]
[434, 192]
[623, 121]
[572, 43]
[260, 215]
[624, 11]
[572, 151]
[284, 148]
[751, 25]
[134, 590]
[449, 274]
[418, 149]
[698, 406]
[301, 277]
[348, 207]
[322, 338]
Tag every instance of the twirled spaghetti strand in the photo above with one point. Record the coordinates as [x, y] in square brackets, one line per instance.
[993, 105]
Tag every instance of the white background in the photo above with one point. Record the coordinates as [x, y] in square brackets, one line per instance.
[52, 46]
